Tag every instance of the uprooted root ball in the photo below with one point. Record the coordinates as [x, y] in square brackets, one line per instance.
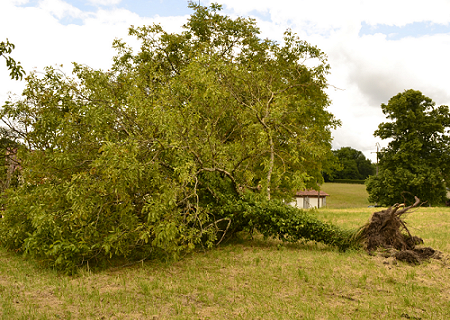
[387, 230]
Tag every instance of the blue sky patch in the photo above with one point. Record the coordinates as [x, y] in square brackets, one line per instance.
[144, 8]
[30, 3]
[263, 16]
[70, 20]
[83, 5]
[416, 29]
[163, 8]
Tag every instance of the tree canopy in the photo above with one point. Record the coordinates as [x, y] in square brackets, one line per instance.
[351, 165]
[166, 150]
[417, 160]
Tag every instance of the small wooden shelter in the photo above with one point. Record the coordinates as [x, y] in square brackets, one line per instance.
[310, 199]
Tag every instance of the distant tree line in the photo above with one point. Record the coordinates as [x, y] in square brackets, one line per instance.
[350, 164]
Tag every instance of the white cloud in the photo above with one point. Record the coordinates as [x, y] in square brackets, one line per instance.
[326, 14]
[369, 69]
[402, 12]
[17, 2]
[105, 2]
[41, 40]
[372, 69]
[60, 9]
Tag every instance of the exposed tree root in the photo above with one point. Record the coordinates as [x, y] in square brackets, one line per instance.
[386, 230]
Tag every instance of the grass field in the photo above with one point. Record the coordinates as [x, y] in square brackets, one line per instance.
[247, 279]
[346, 195]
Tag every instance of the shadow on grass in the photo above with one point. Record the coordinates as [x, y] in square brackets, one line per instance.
[12, 264]
[257, 241]
[16, 264]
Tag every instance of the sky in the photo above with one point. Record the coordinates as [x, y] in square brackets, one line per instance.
[376, 49]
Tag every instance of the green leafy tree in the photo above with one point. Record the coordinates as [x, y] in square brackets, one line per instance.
[16, 70]
[352, 165]
[8, 139]
[152, 156]
[417, 160]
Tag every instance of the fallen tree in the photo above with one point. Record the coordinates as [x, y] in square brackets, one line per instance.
[154, 157]
[387, 230]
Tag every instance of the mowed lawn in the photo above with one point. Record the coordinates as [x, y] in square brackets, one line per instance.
[345, 195]
[251, 278]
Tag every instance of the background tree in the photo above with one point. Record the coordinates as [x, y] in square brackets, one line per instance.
[352, 164]
[417, 160]
[175, 146]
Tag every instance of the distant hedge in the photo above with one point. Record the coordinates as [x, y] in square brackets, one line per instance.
[348, 181]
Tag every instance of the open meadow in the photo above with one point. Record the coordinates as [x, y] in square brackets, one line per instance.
[249, 279]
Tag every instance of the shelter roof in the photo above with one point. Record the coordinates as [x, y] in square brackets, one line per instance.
[310, 193]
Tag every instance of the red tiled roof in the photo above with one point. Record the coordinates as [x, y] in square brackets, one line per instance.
[311, 193]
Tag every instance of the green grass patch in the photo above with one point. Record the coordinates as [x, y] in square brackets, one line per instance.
[250, 278]
[246, 279]
[345, 195]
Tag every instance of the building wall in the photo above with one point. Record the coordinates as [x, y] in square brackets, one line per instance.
[308, 202]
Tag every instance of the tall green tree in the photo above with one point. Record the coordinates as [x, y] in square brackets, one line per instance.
[417, 160]
[152, 156]
[352, 165]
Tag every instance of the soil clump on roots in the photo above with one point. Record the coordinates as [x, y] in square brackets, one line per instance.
[386, 230]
